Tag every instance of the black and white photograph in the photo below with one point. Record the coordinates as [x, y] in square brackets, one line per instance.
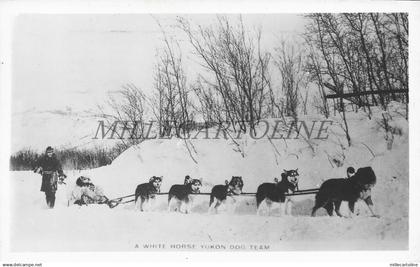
[205, 132]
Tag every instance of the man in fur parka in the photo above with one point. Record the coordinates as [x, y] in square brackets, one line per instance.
[50, 169]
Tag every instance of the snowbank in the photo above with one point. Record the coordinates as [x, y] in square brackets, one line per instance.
[215, 160]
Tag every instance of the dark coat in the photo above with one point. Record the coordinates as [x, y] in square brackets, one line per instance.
[350, 189]
[145, 191]
[50, 167]
[275, 192]
[180, 191]
[333, 191]
[221, 191]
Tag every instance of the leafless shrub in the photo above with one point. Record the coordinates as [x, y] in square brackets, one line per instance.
[289, 60]
[171, 102]
[236, 82]
[127, 107]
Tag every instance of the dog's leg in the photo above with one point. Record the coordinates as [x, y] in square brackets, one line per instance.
[184, 206]
[216, 207]
[351, 208]
[329, 206]
[146, 204]
[314, 211]
[189, 206]
[259, 208]
[318, 204]
[170, 203]
[369, 203]
[231, 205]
[283, 208]
[212, 207]
[180, 206]
[141, 204]
[337, 205]
[269, 205]
[152, 202]
[289, 204]
[191, 203]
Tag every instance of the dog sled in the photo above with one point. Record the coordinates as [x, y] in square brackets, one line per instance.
[86, 193]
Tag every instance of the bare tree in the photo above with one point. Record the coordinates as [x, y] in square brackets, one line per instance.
[367, 52]
[362, 58]
[313, 67]
[289, 60]
[172, 105]
[125, 114]
[235, 85]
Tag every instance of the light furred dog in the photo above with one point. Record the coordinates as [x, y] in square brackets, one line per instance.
[147, 192]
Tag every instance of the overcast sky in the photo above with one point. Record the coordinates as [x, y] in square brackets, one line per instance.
[72, 61]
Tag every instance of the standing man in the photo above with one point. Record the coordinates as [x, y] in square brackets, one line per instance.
[50, 169]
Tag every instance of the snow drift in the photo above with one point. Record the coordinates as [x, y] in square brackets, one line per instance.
[214, 160]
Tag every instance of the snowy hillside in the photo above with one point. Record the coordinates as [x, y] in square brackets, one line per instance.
[215, 160]
[37, 129]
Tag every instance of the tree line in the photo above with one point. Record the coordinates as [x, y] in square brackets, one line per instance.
[359, 58]
[70, 158]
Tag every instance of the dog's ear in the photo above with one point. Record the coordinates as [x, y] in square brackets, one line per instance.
[276, 179]
[226, 182]
[297, 170]
[151, 179]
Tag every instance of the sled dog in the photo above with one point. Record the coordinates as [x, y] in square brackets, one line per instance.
[276, 192]
[147, 192]
[225, 194]
[333, 191]
[180, 195]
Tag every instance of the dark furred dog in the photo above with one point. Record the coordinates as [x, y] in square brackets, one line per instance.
[147, 191]
[181, 194]
[219, 193]
[332, 192]
[276, 192]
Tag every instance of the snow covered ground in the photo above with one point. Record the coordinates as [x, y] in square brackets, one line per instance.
[94, 228]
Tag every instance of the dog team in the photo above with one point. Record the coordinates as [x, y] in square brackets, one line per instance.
[357, 186]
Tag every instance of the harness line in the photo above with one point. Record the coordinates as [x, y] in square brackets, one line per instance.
[296, 193]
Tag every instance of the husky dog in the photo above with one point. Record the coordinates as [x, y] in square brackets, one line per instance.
[276, 192]
[181, 195]
[333, 191]
[220, 193]
[147, 191]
